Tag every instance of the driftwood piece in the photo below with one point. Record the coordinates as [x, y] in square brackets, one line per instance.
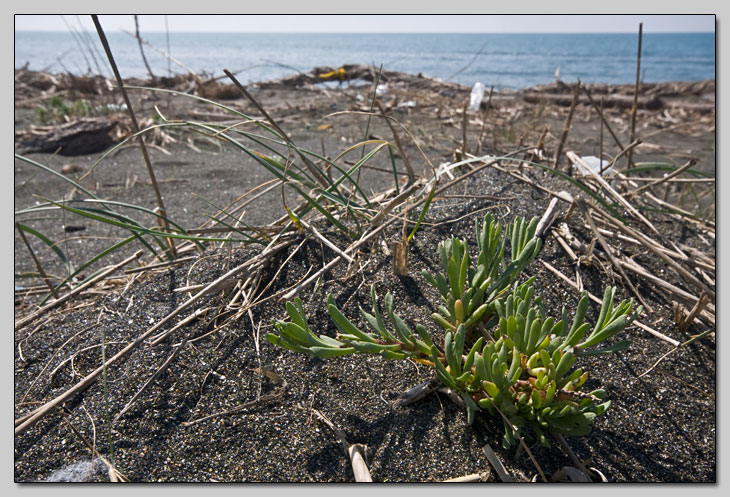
[620, 101]
[80, 137]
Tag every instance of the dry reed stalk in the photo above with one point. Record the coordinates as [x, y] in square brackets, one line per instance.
[38, 265]
[141, 50]
[672, 180]
[603, 118]
[416, 393]
[699, 259]
[566, 128]
[659, 181]
[599, 301]
[19, 324]
[607, 249]
[497, 464]
[324, 240]
[651, 245]
[634, 108]
[547, 218]
[464, 122]
[696, 310]
[674, 291]
[190, 318]
[577, 160]
[632, 265]
[135, 127]
[476, 477]
[355, 451]
[376, 230]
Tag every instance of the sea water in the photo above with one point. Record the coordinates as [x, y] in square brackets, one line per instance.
[503, 60]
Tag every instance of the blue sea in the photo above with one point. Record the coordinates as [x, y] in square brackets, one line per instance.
[503, 60]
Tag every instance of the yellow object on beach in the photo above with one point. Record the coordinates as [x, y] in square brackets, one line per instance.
[333, 74]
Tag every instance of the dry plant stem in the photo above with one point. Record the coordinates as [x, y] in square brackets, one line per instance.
[607, 249]
[651, 246]
[632, 265]
[152, 378]
[320, 179]
[497, 464]
[43, 274]
[289, 295]
[141, 50]
[48, 407]
[662, 180]
[324, 240]
[679, 346]
[278, 392]
[464, 123]
[566, 129]
[135, 128]
[577, 160]
[564, 444]
[19, 324]
[696, 310]
[676, 292]
[603, 119]
[476, 477]
[636, 95]
[416, 393]
[192, 317]
[547, 218]
[406, 161]
[354, 451]
[599, 301]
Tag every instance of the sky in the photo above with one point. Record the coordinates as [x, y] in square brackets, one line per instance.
[377, 23]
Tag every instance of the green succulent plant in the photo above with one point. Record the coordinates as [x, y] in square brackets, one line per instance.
[500, 352]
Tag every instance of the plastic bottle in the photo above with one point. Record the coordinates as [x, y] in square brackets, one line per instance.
[477, 94]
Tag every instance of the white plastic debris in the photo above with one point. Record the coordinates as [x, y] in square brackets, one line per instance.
[381, 90]
[475, 99]
[408, 104]
[596, 165]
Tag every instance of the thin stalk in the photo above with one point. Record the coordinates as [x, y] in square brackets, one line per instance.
[135, 127]
[311, 167]
[43, 274]
[603, 118]
[636, 96]
[566, 129]
[105, 385]
[141, 50]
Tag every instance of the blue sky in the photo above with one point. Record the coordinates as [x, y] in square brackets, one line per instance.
[378, 23]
